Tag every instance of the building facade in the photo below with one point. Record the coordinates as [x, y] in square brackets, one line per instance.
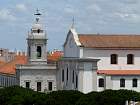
[37, 74]
[117, 58]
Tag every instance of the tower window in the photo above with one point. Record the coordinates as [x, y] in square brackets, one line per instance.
[101, 82]
[29, 51]
[135, 82]
[122, 82]
[38, 86]
[114, 58]
[38, 31]
[62, 75]
[130, 59]
[39, 51]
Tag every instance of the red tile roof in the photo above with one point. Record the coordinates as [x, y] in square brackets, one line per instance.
[119, 72]
[54, 56]
[9, 68]
[2, 62]
[109, 41]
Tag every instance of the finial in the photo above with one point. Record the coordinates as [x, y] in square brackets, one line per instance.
[73, 22]
[37, 12]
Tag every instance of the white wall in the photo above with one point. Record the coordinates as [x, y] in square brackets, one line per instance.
[104, 56]
[71, 66]
[128, 82]
[70, 48]
[87, 78]
[34, 76]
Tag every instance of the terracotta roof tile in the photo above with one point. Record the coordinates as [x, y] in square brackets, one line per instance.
[9, 67]
[2, 62]
[53, 57]
[109, 41]
[119, 72]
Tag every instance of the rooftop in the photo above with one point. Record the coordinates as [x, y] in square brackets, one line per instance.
[119, 72]
[109, 41]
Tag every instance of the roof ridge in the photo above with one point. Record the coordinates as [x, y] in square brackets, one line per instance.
[108, 34]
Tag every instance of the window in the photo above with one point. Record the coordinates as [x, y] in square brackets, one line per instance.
[67, 74]
[135, 82]
[50, 86]
[38, 31]
[114, 59]
[29, 51]
[101, 82]
[73, 76]
[130, 59]
[122, 82]
[27, 84]
[62, 75]
[38, 86]
[76, 81]
[39, 51]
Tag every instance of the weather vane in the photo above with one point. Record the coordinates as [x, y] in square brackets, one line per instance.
[37, 14]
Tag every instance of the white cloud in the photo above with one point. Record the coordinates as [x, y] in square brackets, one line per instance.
[94, 7]
[130, 17]
[69, 9]
[5, 14]
[21, 7]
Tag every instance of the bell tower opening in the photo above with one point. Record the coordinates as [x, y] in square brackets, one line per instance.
[39, 51]
[38, 31]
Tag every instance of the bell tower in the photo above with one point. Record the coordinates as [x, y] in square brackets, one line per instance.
[36, 42]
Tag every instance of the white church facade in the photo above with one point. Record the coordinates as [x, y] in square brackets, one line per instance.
[37, 74]
[91, 62]
[117, 58]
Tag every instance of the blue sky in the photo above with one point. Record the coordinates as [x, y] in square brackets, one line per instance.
[91, 16]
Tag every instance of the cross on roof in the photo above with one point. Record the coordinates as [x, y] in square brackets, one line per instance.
[37, 12]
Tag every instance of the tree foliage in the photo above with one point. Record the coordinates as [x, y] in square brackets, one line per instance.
[20, 96]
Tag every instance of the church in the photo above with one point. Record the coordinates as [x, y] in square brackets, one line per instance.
[96, 62]
[36, 74]
[91, 62]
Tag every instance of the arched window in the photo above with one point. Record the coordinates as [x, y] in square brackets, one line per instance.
[76, 81]
[122, 82]
[73, 76]
[130, 59]
[39, 51]
[29, 51]
[101, 82]
[67, 74]
[114, 58]
[38, 31]
[62, 75]
[135, 82]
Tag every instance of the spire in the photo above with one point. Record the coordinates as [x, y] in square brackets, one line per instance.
[73, 22]
[37, 14]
